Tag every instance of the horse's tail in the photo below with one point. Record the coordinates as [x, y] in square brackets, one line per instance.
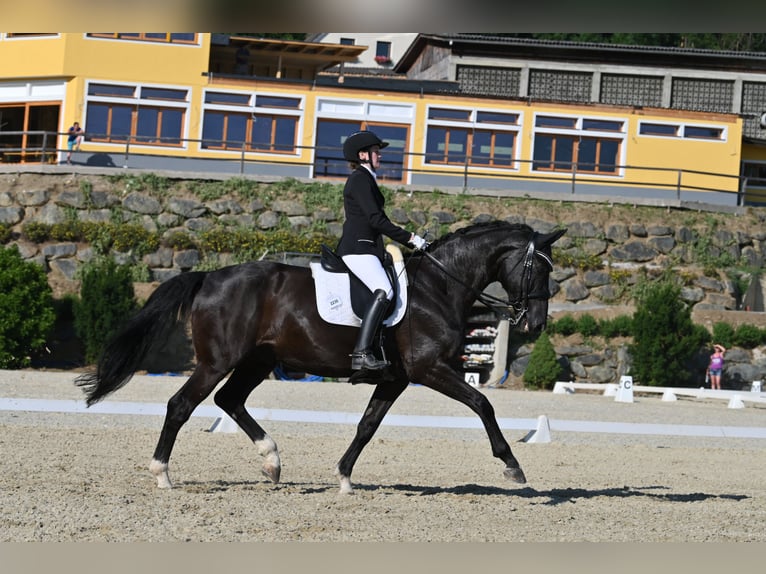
[124, 351]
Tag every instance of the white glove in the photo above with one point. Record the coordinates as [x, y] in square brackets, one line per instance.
[418, 242]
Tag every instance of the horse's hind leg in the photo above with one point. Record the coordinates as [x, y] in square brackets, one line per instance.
[382, 398]
[231, 398]
[180, 407]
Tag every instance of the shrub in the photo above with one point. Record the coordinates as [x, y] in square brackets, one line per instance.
[748, 336]
[566, 325]
[621, 326]
[36, 232]
[723, 334]
[5, 233]
[587, 325]
[664, 337]
[106, 300]
[26, 309]
[543, 369]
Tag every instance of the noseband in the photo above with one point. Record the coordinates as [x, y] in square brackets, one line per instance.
[512, 311]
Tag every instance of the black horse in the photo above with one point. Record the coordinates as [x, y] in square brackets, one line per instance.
[247, 318]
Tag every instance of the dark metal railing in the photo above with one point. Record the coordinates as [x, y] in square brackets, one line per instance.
[40, 147]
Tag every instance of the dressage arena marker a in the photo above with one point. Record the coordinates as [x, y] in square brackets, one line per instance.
[424, 421]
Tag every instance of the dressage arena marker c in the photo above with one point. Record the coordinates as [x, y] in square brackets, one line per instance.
[423, 421]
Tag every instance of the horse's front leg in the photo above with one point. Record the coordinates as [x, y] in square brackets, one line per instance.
[384, 396]
[444, 379]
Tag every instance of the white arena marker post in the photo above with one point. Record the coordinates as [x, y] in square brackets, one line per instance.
[669, 396]
[224, 423]
[736, 402]
[542, 433]
[625, 390]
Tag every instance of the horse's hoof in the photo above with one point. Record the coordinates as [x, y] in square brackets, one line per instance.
[271, 472]
[515, 474]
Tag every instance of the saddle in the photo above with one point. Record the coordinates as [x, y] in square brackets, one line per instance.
[342, 298]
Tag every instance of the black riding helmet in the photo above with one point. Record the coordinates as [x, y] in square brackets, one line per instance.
[360, 141]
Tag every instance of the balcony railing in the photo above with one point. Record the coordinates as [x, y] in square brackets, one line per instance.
[122, 151]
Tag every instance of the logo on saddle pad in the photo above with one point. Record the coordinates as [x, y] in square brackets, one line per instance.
[333, 293]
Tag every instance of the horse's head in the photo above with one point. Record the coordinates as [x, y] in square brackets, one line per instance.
[525, 279]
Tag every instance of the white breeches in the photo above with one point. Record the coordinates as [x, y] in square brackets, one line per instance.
[369, 269]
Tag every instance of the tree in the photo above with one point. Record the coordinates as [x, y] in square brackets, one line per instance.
[107, 299]
[543, 369]
[664, 337]
[26, 309]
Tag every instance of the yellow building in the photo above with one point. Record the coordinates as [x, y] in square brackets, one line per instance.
[211, 103]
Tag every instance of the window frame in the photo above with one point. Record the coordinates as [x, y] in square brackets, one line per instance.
[681, 131]
[135, 104]
[170, 37]
[581, 130]
[467, 123]
[252, 112]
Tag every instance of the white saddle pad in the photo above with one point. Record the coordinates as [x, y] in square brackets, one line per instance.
[333, 293]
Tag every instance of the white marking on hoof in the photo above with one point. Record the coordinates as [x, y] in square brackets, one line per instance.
[160, 472]
[345, 483]
[272, 466]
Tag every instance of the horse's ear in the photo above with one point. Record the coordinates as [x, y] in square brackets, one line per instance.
[544, 239]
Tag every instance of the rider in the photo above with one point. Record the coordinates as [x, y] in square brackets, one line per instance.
[361, 244]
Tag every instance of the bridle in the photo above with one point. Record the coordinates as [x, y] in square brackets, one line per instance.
[510, 310]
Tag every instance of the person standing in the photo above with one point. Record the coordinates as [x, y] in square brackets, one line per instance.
[74, 139]
[361, 243]
[715, 368]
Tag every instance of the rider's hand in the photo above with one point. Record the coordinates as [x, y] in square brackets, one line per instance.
[419, 243]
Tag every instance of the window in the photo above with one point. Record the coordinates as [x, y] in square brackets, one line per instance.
[347, 41]
[700, 132]
[458, 136]
[150, 115]
[383, 52]
[168, 37]
[329, 160]
[667, 130]
[263, 123]
[682, 131]
[383, 49]
[588, 145]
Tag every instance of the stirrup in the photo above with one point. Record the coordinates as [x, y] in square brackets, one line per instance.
[367, 361]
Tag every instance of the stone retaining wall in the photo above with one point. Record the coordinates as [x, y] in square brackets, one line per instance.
[629, 249]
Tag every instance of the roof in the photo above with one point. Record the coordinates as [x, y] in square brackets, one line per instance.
[483, 44]
[319, 55]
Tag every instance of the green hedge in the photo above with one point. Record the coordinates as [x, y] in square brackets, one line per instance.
[26, 309]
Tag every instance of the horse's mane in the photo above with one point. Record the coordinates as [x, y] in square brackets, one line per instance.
[481, 229]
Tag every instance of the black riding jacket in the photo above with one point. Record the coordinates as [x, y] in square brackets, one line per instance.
[366, 221]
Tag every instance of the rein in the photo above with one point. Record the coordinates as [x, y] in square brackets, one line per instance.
[501, 307]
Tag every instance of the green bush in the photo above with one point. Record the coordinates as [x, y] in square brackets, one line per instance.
[5, 233]
[566, 325]
[621, 326]
[106, 300]
[543, 369]
[26, 309]
[723, 334]
[749, 336]
[664, 337]
[587, 325]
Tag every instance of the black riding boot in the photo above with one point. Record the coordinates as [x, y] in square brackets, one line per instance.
[362, 357]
